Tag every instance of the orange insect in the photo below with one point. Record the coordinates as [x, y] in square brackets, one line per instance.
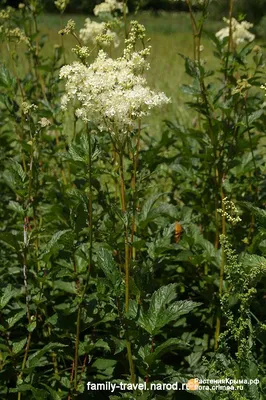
[178, 232]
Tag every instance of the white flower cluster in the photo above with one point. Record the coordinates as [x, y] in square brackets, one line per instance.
[230, 212]
[97, 32]
[69, 28]
[61, 5]
[112, 93]
[240, 31]
[44, 122]
[27, 108]
[108, 7]
[242, 86]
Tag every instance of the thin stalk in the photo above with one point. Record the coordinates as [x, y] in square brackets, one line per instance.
[130, 361]
[89, 267]
[125, 17]
[24, 360]
[77, 348]
[194, 28]
[133, 183]
[230, 38]
[127, 261]
[124, 209]
[221, 281]
[62, 38]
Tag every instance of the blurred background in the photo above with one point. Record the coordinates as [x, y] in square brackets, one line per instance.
[168, 25]
[253, 10]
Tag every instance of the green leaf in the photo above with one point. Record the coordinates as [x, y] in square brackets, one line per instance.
[17, 317]
[166, 347]
[33, 359]
[8, 293]
[13, 205]
[7, 81]
[68, 287]
[258, 212]
[31, 326]
[254, 116]
[53, 393]
[253, 260]
[104, 363]
[18, 346]
[162, 311]
[109, 267]
[55, 243]
[10, 239]
[147, 208]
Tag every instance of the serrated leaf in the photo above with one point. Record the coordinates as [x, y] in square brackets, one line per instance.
[17, 317]
[164, 348]
[147, 208]
[10, 239]
[13, 205]
[53, 393]
[18, 346]
[253, 260]
[68, 287]
[33, 359]
[55, 242]
[162, 311]
[109, 267]
[254, 116]
[7, 295]
[7, 81]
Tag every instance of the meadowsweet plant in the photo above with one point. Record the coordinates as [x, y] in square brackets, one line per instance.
[109, 7]
[239, 31]
[112, 93]
[129, 255]
[98, 32]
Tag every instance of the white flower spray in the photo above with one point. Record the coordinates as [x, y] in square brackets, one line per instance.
[113, 93]
[240, 31]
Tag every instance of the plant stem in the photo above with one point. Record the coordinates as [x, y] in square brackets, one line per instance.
[218, 321]
[124, 209]
[127, 261]
[133, 183]
[89, 267]
[130, 360]
[24, 360]
[125, 16]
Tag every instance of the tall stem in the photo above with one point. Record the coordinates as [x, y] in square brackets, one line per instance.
[221, 281]
[89, 267]
[124, 209]
[133, 184]
[125, 16]
[127, 261]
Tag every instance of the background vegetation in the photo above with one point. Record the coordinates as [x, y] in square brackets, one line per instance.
[137, 263]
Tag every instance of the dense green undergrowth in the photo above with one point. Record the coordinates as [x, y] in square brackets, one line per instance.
[127, 255]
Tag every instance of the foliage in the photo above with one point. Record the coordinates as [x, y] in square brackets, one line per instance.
[123, 256]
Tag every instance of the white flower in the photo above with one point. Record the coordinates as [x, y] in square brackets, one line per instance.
[44, 122]
[240, 31]
[97, 32]
[69, 28]
[26, 107]
[108, 7]
[61, 4]
[112, 93]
